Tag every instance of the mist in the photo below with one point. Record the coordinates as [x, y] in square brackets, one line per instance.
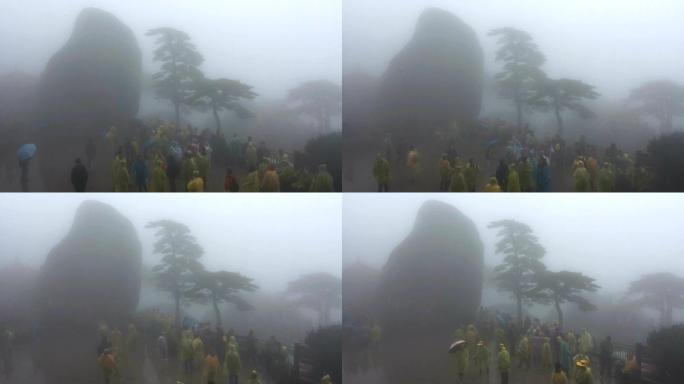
[613, 238]
[614, 45]
[239, 39]
[82, 268]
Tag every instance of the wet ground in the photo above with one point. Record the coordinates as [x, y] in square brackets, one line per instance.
[426, 360]
[24, 373]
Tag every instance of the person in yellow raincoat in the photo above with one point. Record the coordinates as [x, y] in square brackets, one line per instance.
[270, 182]
[323, 182]
[586, 343]
[558, 376]
[524, 353]
[120, 172]
[546, 354]
[158, 183]
[504, 359]
[492, 186]
[107, 363]
[326, 379]
[381, 173]
[188, 168]
[526, 181]
[572, 342]
[412, 163]
[471, 337]
[513, 183]
[444, 172]
[196, 184]
[583, 373]
[198, 355]
[482, 358]
[457, 181]
[116, 342]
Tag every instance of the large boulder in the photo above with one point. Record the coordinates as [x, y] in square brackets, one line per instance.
[434, 81]
[92, 83]
[433, 279]
[93, 274]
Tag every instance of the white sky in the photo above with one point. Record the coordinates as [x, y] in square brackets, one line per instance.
[612, 44]
[612, 237]
[272, 45]
[272, 239]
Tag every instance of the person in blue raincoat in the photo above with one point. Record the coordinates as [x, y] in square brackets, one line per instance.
[543, 176]
[141, 173]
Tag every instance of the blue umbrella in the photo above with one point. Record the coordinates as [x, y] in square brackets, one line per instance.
[26, 151]
[176, 151]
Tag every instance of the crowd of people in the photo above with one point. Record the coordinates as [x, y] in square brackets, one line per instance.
[567, 356]
[198, 354]
[161, 158]
[525, 164]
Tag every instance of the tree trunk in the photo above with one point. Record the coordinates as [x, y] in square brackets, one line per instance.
[176, 106]
[560, 315]
[519, 307]
[218, 121]
[217, 313]
[560, 122]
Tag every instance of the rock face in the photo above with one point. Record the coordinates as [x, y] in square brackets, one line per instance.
[433, 279]
[92, 275]
[436, 79]
[93, 82]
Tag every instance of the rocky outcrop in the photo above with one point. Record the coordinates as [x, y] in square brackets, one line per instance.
[433, 279]
[93, 274]
[435, 80]
[92, 83]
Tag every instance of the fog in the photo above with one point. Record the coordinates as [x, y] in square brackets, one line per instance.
[614, 45]
[240, 39]
[271, 241]
[613, 239]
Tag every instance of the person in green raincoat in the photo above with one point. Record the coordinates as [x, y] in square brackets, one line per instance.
[525, 175]
[470, 174]
[444, 172]
[381, 173]
[251, 155]
[232, 363]
[186, 353]
[546, 354]
[120, 172]
[607, 178]
[581, 176]
[482, 358]
[375, 334]
[572, 342]
[461, 357]
[513, 183]
[457, 181]
[524, 353]
[504, 363]
[188, 168]
[254, 378]
[203, 168]
[158, 183]
[251, 182]
[323, 182]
